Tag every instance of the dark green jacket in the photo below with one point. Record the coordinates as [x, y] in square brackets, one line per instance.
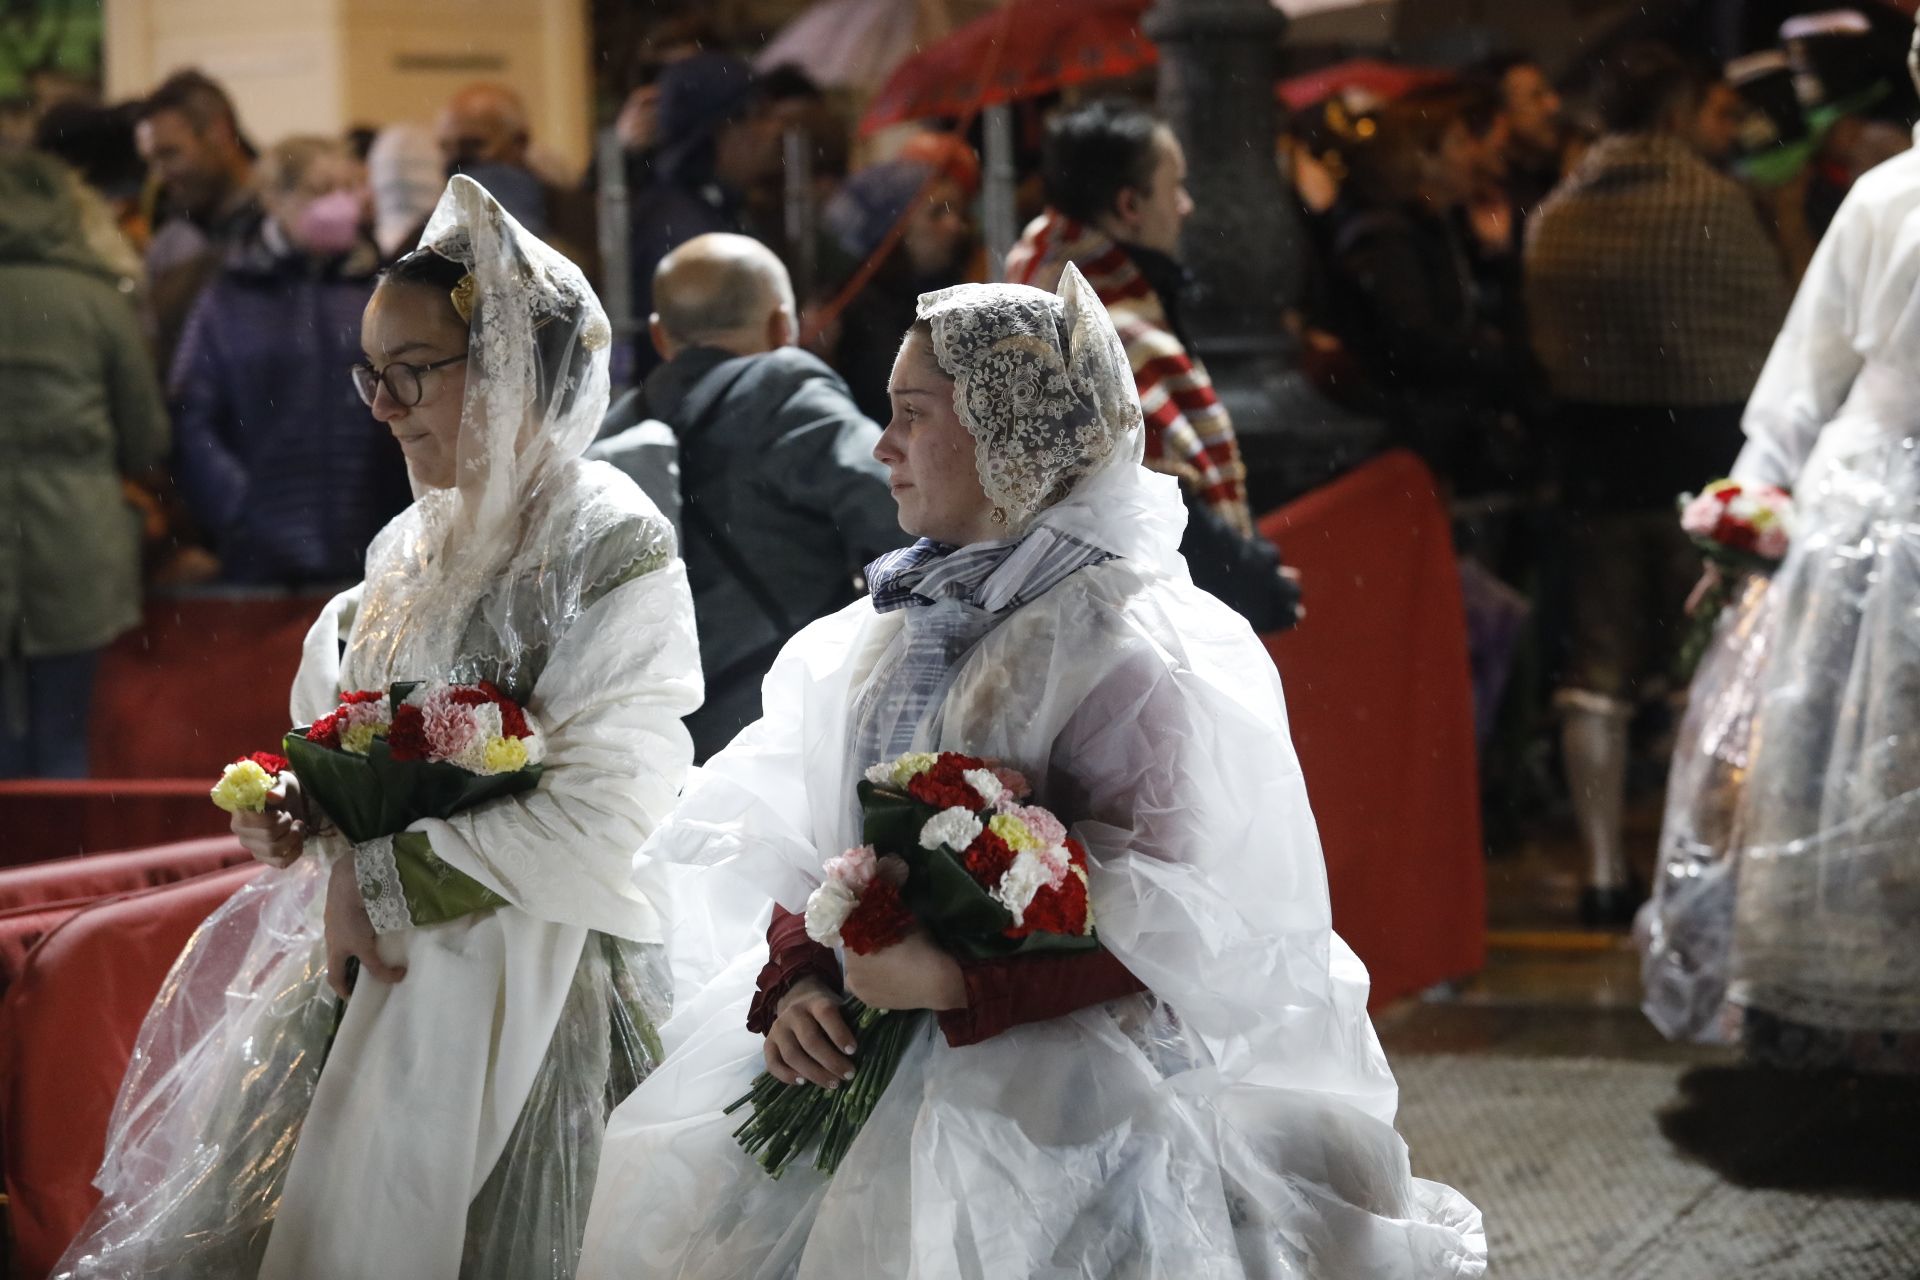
[79, 408]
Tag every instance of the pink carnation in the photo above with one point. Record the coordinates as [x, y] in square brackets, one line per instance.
[1046, 828]
[1015, 782]
[1700, 518]
[855, 868]
[450, 726]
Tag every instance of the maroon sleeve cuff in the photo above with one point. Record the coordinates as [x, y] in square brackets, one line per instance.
[1003, 994]
[791, 956]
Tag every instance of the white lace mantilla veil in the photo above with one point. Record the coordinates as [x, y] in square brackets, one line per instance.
[519, 431]
[1042, 383]
[454, 1130]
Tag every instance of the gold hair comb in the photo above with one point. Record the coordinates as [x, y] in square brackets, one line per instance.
[463, 297]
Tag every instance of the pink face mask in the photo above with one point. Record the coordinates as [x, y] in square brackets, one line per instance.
[330, 224]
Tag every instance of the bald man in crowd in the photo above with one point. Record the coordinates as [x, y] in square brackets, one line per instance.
[782, 501]
[485, 132]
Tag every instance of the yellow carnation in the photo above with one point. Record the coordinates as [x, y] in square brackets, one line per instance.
[506, 755]
[1018, 835]
[243, 788]
[358, 739]
[910, 766]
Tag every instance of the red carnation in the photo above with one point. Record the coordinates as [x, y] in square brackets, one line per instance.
[407, 738]
[1057, 909]
[326, 731]
[468, 696]
[879, 920]
[987, 859]
[1738, 534]
[945, 786]
[513, 721]
[361, 695]
[930, 790]
[271, 763]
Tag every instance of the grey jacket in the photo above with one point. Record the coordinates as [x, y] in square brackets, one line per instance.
[782, 506]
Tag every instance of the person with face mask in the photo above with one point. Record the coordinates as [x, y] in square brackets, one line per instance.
[273, 453]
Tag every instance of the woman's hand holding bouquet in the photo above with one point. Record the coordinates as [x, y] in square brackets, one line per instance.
[956, 865]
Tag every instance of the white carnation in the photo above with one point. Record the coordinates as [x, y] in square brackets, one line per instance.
[827, 909]
[880, 775]
[983, 781]
[1025, 878]
[955, 828]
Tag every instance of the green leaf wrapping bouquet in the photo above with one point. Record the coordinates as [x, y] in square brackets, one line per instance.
[385, 759]
[950, 848]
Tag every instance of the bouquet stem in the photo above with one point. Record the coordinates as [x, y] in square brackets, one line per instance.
[789, 1118]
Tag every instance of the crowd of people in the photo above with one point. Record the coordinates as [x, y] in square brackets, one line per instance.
[856, 507]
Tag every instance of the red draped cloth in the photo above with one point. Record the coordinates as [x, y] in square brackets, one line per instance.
[1380, 697]
[201, 682]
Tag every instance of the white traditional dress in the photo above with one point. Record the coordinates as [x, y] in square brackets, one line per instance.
[1235, 1120]
[447, 1125]
[1807, 908]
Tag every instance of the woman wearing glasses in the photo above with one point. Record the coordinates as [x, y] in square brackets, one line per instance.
[440, 1114]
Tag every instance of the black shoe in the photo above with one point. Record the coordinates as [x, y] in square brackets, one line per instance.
[1609, 907]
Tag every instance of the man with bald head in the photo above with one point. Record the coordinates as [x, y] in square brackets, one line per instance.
[782, 500]
[486, 133]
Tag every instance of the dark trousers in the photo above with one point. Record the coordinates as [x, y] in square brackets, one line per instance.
[44, 704]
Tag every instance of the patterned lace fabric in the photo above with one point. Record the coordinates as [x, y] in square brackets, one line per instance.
[1041, 382]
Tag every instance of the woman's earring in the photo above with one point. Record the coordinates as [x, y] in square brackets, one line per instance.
[998, 515]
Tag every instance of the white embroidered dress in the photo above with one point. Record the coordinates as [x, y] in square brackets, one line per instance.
[447, 1125]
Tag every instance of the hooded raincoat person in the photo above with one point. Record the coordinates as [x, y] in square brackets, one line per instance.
[83, 413]
[1791, 925]
[445, 1122]
[1219, 1106]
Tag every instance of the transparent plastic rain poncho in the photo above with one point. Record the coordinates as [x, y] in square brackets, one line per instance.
[456, 1115]
[1235, 1122]
[1825, 834]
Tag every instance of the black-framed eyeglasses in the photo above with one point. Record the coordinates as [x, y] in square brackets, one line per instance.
[402, 380]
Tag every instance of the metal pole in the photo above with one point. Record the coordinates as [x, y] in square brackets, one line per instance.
[801, 220]
[1219, 60]
[998, 215]
[616, 267]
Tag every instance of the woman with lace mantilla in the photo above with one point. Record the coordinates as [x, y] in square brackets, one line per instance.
[445, 1120]
[1201, 1096]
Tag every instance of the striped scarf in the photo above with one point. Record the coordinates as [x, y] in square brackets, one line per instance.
[1189, 434]
[957, 595]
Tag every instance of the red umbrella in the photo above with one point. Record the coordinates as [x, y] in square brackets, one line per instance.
[1384, 80]
[1026, 49]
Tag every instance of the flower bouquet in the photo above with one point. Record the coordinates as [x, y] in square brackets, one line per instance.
[951, 848]
[383, 760]
[1740, 528]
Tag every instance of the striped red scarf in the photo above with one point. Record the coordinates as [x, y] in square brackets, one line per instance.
[1189, 434]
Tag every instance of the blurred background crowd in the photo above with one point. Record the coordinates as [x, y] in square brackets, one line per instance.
[1480, 248]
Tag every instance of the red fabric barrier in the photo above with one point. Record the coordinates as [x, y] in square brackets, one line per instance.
[46, 818]
[201, 682]
[36, 899]
[66, 1032]
[1380, 697]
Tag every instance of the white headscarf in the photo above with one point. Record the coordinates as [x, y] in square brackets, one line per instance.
[1042, 383]
[536, 393]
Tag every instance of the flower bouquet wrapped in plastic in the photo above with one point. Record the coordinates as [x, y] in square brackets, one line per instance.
[382, 761]
[952, 849]
[1743, 529]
